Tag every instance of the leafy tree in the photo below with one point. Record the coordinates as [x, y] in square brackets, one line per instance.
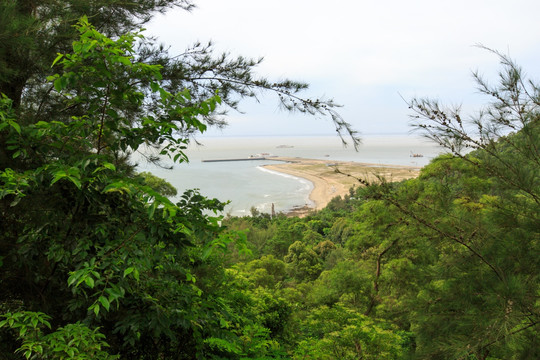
[80, 230]
[303, 262]
[33, 33]
[479, 209]
[340, 332]
[74, 341]
[89, 244]
[158, 184]
[348, 282]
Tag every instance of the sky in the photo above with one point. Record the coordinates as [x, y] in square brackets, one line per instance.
[369, 56]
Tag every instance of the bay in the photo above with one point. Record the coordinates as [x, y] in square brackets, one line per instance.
[247, 184]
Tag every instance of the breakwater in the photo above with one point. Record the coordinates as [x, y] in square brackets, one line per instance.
[237, 159]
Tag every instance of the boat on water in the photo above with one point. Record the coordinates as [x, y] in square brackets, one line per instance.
[416, 155]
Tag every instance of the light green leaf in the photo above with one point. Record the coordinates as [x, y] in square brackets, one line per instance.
[124, 60]
[60, 56]
[89, 282]
[136, 274]
[16, 126]
[109, 166]
[128, 271]
[59, 175]
[75, 181]
[152, 209]
[105, 302]
[117, 186]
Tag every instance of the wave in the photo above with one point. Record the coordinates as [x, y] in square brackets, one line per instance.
[297, 178]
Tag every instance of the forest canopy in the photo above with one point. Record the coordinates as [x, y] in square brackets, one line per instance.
[98, 263]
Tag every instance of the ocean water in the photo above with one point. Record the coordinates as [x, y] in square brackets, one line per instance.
[246, 184]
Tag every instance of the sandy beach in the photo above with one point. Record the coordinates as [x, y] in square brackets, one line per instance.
[328, 183]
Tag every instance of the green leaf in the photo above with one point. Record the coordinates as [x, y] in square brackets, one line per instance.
[58, 175]
[116, 186]
[89, 282]
[15, 126]
[60, 56]
[75, 181]
[72, 278]
[105, 302]
[154, 86]
[152, 209]
[109, 166]
[136, 274]
[60, 83]
[124, 60]
[128, 271]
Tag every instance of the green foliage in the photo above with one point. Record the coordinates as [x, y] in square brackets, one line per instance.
[72, 341]
[481, 211]
[97, 260]
[340, 332]
[348, 282]
[444, 266]
[160, 185]
[94, 256]
[303, 262]
[33, 34]
[87, 243]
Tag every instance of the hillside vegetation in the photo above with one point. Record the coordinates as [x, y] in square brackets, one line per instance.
[97, 263]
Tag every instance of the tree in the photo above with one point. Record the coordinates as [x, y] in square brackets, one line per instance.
[88, 247]
[303, 262]
[80, 229]
[479, 209]
[341, 332]
[160, 185]
[33, 33]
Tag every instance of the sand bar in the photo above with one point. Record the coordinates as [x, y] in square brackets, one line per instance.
[327, 183]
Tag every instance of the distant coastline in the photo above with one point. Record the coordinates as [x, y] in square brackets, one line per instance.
[327, 183]
[246, 187]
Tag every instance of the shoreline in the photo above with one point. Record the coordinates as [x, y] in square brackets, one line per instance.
[327, 183]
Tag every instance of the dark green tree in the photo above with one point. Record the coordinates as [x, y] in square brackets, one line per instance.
[32, 33]
[158, 184]
[91, 254]
[479, 209]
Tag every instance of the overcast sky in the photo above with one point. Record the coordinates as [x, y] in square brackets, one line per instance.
[365, 55]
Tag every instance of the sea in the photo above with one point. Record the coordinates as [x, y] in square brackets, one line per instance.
[246, 185]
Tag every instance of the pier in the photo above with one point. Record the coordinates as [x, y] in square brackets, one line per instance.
[239, 159]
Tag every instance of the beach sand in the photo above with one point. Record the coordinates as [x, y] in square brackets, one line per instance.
[329, 183]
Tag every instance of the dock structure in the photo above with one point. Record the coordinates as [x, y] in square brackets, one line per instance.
[238, 159]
